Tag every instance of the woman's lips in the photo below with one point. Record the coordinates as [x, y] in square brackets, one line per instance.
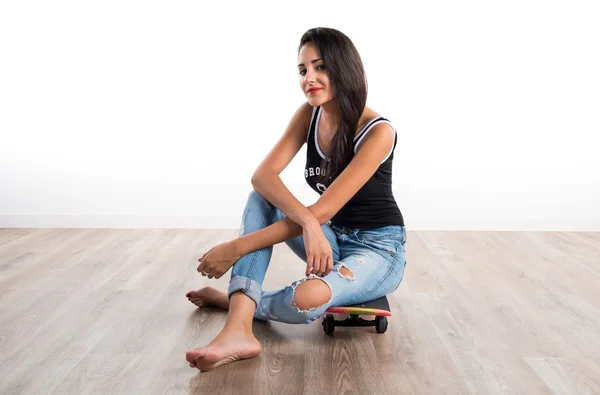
[311, 91]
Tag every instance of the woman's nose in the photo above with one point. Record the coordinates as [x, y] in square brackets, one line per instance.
[309, 77]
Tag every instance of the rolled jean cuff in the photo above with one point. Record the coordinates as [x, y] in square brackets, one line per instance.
[251, 288]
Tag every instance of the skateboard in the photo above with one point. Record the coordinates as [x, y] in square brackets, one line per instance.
[378, 307]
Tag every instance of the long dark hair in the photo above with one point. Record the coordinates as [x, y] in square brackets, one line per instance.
[348, 79]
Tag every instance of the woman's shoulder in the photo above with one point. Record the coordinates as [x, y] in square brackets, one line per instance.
[302, 116]
[368, 115]
[369, 112]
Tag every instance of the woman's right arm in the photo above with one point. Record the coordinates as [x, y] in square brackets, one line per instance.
[266, 180]
[299, 220]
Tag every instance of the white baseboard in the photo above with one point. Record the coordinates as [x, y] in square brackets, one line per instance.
[119, 221]
[506, 224]
[233, 222]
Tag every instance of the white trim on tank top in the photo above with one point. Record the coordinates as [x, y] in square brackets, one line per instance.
[368, 127]
[312, 117]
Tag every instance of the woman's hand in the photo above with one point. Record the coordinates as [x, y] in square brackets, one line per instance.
[319, 256]
[219, 259]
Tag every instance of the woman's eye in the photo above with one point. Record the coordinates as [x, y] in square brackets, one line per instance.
[319, 67]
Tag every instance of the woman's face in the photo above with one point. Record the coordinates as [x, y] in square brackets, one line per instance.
[313, 76]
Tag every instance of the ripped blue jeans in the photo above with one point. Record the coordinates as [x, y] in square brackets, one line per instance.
[375, 258]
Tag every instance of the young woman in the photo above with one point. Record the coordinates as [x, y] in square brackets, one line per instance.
[352, 239]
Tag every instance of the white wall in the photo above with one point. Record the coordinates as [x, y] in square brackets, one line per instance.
[136, 114]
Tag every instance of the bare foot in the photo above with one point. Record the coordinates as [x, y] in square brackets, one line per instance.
[207, 297]
[227, 347]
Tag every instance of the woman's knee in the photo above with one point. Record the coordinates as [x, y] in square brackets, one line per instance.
[258, 204]
[310, 297]
[299, 303]
[258, 213]
[256, 198]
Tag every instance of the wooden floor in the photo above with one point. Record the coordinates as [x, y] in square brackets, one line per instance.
[104, 311]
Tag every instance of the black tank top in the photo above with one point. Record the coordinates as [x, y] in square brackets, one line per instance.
[373, 206]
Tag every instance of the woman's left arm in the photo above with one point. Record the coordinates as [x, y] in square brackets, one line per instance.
[371, 152]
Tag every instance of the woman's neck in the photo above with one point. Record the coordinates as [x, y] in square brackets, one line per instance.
[331, 114]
